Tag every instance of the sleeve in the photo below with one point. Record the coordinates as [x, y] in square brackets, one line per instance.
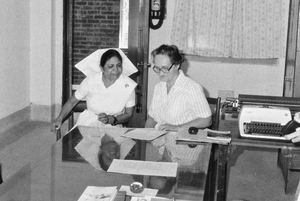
[199, 103]
[131, 100]
[151, 108]
[82, 90]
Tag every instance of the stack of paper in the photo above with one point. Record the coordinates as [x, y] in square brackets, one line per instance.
[151, 168]
[97, 193]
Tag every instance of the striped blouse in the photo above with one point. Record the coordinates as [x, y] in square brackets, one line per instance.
[184, 102]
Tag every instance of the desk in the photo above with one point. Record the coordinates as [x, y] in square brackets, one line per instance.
[222, 154]
[226, 153]
[69, 178]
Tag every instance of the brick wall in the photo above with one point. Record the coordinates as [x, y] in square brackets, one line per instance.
[95, 25]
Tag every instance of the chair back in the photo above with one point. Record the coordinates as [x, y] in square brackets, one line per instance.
[215, 106]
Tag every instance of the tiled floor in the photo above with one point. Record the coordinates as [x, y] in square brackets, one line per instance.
[25, 143]
[254, 176]
[28, 144]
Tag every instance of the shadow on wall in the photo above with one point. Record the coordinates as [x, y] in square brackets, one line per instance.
[184, 67]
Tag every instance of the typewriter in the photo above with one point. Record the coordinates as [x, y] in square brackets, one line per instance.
[266, 117]
[256, 121]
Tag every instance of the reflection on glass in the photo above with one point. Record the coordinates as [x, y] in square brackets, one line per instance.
[108, 151]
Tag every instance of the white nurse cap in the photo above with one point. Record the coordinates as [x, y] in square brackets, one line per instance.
[90, 64]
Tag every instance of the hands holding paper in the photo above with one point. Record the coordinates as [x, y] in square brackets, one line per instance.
[167, 127]
[104, 118]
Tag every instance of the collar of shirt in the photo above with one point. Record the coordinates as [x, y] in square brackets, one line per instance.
[100, 81]
[179, 83]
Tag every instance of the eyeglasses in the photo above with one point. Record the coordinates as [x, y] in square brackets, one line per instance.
[162, 69]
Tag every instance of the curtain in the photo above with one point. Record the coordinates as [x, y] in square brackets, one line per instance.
[231, 28]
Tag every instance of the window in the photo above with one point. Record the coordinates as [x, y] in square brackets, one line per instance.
[231, 28]
[123, 35]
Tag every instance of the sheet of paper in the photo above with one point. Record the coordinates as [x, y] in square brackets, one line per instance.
[151, 168]
[151, 198]
[97, 193]
[143, 133]
[97, 132]
[163, 199]
[137, 198]
[146, 191]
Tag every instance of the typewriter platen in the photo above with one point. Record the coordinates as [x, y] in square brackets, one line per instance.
[263, 117]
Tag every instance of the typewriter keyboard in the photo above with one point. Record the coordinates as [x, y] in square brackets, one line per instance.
[263, 128]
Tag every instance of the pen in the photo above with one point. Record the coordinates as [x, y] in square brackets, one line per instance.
[130, 129]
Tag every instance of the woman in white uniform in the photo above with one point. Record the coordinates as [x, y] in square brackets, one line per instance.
[110, 97]
[109, 94]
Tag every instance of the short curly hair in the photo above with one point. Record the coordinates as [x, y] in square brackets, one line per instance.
[171, 51]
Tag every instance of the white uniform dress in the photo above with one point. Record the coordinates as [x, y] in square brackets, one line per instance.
[111, 100]
[184, 102]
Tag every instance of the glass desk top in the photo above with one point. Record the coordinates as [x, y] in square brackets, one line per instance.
[61, 178]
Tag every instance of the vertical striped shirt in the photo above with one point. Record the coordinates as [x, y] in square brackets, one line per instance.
[184, 102]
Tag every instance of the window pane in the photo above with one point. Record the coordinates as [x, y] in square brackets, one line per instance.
[124, 8]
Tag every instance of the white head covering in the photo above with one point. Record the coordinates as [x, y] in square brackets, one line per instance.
[90, 64]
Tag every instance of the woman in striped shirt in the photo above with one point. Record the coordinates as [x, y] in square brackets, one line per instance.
[178, 101]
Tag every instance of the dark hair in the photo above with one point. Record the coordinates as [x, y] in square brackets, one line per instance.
[169, 184]
[108, 55]
[101, 162]
[171, 51]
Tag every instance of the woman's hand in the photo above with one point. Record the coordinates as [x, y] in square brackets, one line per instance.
[168, 127]
[103, 117]
[294, 137]
[106, 119]
[57, 123]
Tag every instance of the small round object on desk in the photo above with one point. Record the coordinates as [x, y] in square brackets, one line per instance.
[193, 130]
[136, 187]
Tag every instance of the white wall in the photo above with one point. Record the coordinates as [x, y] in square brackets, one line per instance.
[30, 55]
[40, 52]
[14, 56]
[46, 29]
[57, 51]
[260, 79]
[31, 59]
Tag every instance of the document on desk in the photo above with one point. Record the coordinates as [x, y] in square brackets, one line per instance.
[145, 192]
[151, 198]
[205, 136]
[150, 168]
[87, 131]
[98, 193]
[147, 134]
